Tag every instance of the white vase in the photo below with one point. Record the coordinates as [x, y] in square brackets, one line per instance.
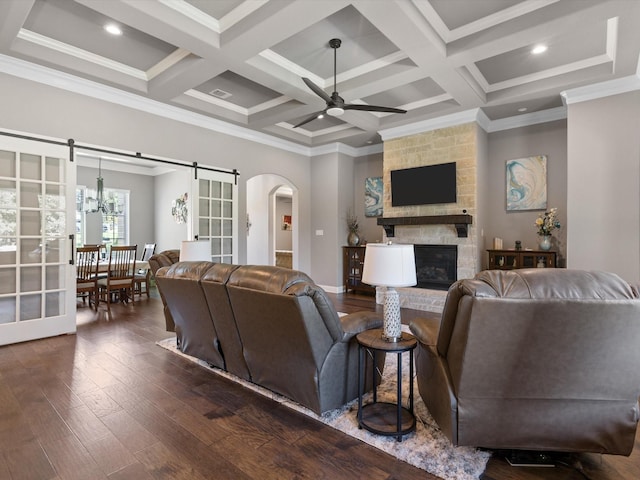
[545, 242]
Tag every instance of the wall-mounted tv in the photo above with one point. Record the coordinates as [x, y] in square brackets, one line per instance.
[424, 185]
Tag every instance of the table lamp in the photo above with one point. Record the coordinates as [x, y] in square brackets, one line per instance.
[390, 265]
[195, 250]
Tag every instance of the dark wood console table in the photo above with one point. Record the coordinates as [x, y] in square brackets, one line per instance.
[513, 259]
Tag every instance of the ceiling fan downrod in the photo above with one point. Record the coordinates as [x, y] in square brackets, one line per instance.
[336, 110]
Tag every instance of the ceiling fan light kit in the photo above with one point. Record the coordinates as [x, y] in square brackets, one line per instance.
[335, 103]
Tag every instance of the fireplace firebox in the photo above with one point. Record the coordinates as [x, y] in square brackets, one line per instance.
[436, 266]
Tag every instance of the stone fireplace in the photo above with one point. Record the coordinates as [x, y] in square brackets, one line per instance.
[452, 144]
[466, 265]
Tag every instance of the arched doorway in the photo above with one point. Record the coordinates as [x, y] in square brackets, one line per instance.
[271, 198]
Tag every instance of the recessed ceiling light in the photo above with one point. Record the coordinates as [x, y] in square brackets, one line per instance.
[538, 49]
[522, 109]
[113, 29]
[320, 115]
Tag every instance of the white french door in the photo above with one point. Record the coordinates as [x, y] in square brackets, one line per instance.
[37, 222]
[215, 214]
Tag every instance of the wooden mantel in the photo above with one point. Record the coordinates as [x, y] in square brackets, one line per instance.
[461, 222]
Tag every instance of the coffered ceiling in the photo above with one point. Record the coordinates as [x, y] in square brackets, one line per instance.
[242, 61]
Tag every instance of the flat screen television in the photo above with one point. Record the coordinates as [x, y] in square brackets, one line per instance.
[424, 185]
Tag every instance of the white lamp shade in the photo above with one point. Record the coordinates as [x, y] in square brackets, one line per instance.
[195, 251]
[389, 265]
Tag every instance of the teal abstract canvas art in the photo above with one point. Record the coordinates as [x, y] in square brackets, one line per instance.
[527, 183]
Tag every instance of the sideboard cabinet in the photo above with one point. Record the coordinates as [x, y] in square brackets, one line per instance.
[512, 259]
[352, 264]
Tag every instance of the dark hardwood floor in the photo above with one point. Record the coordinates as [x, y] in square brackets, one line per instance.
[107, 403]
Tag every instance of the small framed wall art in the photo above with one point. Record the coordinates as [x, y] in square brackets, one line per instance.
[373, 197]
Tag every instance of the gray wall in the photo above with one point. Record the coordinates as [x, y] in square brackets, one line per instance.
[367, 166]
[332, 195]
[484, 208]
[595, 186]
[43, 110]
[545, 139]
[604, 185]
[491, 218]
[168, 187]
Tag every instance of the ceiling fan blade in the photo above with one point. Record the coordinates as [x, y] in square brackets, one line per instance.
[373, 108]
[317, 90]
[308, 119]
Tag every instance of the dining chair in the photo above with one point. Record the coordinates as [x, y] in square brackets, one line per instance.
[120, 275]
[143, 275]
[102, 252]
[87, 259]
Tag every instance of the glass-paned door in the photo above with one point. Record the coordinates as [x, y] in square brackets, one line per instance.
[216, 214]
[37, 282]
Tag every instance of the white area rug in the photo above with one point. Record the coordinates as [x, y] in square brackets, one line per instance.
[426, 448]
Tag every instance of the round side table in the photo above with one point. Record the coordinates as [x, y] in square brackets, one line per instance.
[385, 418]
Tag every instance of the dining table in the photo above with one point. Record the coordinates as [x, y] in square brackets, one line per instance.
[103, 265]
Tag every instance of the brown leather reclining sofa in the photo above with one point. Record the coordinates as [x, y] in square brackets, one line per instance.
[165, 258]
[272, 326]
[538, 359]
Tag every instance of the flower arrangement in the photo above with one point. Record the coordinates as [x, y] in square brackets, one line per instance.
[352, 221]
[548, 222]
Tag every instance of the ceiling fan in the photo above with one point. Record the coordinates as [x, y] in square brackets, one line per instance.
[335, 103]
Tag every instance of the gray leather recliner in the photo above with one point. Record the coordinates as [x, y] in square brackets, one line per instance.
[537, 359]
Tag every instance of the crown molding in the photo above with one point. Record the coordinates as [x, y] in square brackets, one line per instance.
[339, 147]
[29, 71]
[459, 118]
[47, 76]
[527, 119]
[478, 116]
[602, 89]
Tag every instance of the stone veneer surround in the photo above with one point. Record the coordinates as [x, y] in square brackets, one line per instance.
[452, 144]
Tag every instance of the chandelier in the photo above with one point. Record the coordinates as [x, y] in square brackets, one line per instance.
[95, 200]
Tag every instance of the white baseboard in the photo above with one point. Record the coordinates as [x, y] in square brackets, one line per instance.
[331, 289]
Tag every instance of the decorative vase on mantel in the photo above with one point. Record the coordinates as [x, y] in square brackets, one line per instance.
[545, 242]
[353, 239]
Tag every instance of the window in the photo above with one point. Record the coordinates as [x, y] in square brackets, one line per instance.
[113, 228]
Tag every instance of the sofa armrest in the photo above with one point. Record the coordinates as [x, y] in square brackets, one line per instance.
[425, 330]
[357, 322]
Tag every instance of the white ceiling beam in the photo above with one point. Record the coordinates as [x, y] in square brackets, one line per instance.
[185, 75]
[12, 17]
[408, 29]
[276, 22]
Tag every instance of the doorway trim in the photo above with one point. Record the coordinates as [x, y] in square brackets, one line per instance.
[262, 221]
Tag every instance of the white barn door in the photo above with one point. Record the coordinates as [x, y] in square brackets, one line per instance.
[215, 214]
[37, 223]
